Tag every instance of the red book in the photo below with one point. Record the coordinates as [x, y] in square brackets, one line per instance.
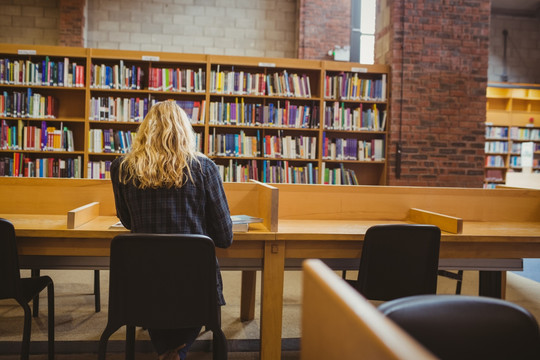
[16, 159]
[26, 166]
[268, 145]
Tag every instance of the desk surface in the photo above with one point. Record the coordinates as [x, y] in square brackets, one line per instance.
[355, 230]
[484, 239]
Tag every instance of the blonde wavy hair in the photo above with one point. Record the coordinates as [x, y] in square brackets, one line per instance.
[163, 150]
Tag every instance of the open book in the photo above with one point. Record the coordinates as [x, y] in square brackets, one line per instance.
[241, 222]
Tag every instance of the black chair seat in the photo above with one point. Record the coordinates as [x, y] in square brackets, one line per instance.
[12, 286]
[32, 286]
[456, 327]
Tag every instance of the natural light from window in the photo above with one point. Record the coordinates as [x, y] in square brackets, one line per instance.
[367, 31]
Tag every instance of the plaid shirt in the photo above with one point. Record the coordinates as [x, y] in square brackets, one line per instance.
[198, 207]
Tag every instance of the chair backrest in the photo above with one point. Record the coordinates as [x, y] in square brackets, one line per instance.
[9, 261]
[467, 327]
[163, 281]
[399, 260]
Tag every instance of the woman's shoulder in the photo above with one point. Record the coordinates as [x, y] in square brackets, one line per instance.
[203, 160]
[116, 162]
[207, 166]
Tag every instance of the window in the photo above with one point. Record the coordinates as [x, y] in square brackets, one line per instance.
[363, 31]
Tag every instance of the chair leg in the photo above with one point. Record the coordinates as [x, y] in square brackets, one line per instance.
[35, 300]
[102, 350]
[97, 291]
[459, 282]
[130, 342]
[455, 276]
[27, 328]
[50, 319]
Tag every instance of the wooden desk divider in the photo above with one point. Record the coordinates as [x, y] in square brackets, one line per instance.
[255, 199]
[82, 215]
[268, 205]
[338, 323]
[446, 223]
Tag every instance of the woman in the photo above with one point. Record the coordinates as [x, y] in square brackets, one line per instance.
[165, 186]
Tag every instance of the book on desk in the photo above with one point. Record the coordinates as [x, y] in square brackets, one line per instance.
[241, 222]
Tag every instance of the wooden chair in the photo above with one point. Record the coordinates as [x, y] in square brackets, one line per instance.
[12, 286]
[398, 261]
[467, 327]
[163, 281]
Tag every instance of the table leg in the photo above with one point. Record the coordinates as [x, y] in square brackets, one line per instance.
[247, 298]
[492, 284]
[272, 300]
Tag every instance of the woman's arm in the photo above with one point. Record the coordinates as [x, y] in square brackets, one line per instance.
[121, 208]
[218, 217]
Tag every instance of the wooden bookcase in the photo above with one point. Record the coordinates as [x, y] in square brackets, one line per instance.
[513, 117]
[271, 119]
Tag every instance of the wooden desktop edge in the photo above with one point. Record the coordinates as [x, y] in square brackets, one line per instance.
[82, 215]
[334, 313]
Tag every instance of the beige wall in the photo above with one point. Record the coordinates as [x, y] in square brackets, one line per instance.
[223, 27]
[29, 21]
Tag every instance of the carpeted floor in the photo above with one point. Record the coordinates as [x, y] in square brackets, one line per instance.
[78, 327]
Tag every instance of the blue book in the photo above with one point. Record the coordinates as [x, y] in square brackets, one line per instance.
[43, 72]
[60, 69]
[133, 77]
[28, 102]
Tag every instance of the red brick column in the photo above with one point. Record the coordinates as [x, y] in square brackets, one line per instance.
[72, 23]
[321, 25]
[440, 55]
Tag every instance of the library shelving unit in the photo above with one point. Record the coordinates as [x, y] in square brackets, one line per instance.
[354, 122]
[512, 118]
[42, 111]
[270, 119]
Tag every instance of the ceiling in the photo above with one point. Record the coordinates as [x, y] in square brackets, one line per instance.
[529, 8]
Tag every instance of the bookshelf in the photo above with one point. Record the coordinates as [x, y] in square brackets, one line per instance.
[268, 119]
[513, 118]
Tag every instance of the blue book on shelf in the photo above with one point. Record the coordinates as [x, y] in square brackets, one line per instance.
[43, 72]
[28, 101]
[60, 77]
[133, 77]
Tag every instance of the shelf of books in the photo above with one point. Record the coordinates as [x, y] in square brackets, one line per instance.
[68, 112]
[42, 111]
[513, 118]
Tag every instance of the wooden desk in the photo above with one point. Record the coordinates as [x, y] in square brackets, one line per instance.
[315, 221]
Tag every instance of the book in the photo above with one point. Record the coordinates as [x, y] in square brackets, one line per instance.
[241, 222]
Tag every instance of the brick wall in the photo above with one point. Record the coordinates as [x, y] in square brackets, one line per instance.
[29, 21]
[224, 27]
[442, 110]
[71, 25]
[523, 49]
[322, 24]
